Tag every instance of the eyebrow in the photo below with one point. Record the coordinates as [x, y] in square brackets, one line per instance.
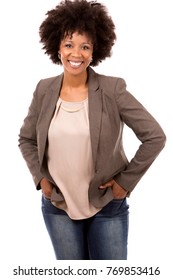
[69, 40]
[83, 43]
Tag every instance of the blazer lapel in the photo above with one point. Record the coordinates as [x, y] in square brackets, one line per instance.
[47, 111]
[95, 112]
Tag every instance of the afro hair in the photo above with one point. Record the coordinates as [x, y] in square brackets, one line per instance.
[80, 16]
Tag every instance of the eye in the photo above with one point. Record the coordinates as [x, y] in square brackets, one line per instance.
[68, 45]
[85, 47]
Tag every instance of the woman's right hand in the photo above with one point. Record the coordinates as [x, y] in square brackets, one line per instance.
[46, 187]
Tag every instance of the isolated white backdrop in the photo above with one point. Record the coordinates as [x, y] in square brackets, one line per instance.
[142, 56]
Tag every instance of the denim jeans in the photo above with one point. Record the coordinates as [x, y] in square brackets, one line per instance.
[101, 237]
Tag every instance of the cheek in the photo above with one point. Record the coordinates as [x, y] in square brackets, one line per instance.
[64, 52]
[89, 59]
[64, 58]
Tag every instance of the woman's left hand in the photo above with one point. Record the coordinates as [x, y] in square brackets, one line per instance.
[118, 191]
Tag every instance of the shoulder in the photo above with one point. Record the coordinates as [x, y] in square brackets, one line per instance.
[46, 83]
[107, 83]
[110, 82]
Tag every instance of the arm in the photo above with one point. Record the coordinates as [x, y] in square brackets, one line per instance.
[147, 130]
[28, 139]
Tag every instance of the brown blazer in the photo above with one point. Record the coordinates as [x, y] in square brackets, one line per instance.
[110, 106]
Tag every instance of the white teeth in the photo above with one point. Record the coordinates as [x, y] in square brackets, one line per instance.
[75, 63]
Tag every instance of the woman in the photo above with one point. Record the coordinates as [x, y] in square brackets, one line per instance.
[71, 138]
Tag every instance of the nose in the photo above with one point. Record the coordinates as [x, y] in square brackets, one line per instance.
[76, 52]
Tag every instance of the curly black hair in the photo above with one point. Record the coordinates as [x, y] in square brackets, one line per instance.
[80, 16]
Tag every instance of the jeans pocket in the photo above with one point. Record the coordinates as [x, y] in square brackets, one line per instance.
[49, 208]
[115, 207]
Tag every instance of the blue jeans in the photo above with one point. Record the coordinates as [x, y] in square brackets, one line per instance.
[101, 237]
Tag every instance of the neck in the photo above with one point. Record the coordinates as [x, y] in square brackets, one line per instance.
[74, 87]
[75, 81]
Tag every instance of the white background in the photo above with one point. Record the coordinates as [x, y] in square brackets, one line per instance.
[142, 56]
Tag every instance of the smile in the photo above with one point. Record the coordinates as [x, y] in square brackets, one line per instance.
[75, 64]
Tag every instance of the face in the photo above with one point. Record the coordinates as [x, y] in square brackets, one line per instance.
[76, 53]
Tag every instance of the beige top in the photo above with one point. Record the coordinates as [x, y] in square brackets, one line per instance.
[70, 158]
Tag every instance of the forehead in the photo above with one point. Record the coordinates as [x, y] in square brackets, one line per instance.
[77, 36]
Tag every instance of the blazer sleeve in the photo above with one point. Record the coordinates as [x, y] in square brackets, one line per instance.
[147, 130]
[28, 138]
